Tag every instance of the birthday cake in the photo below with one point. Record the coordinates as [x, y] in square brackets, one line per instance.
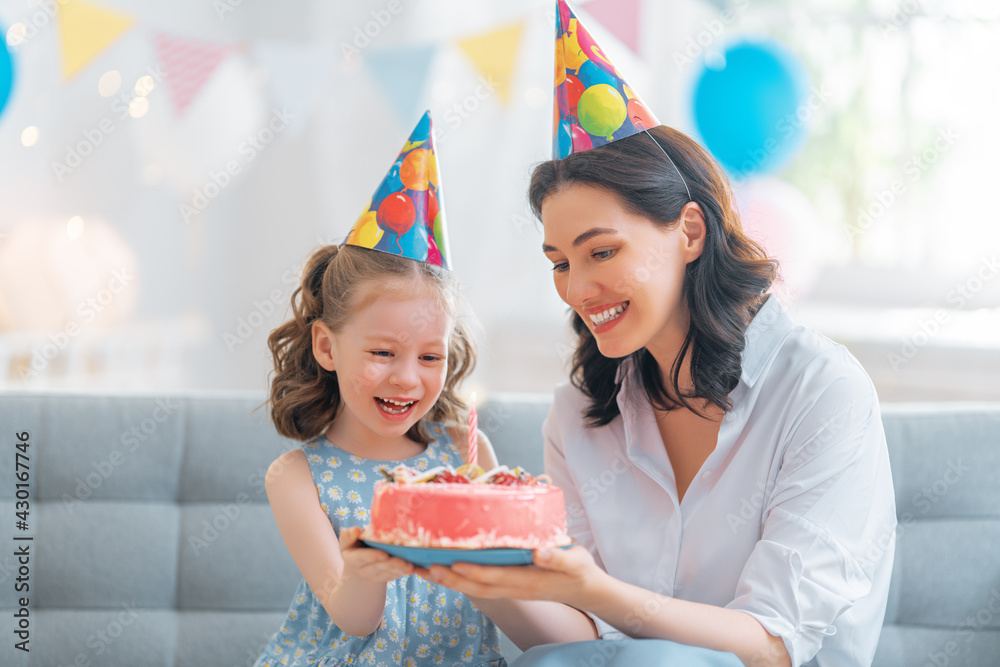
[467, 509]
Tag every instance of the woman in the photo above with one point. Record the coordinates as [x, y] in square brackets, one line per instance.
[725, 471]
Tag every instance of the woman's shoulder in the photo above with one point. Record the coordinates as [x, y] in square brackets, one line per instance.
[819, 358]
[567, 397]
[813, 382]
[568, 413]
[781, 351]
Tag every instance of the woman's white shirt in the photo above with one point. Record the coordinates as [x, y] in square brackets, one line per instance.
[791, 519]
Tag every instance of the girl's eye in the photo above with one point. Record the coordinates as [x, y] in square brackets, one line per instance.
[381, 353]
[559, 268]
[431, 358]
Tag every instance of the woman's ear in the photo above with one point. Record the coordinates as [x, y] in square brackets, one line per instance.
[322, 344]
[693, 227]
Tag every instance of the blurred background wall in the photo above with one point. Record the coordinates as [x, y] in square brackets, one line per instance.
[165, 167]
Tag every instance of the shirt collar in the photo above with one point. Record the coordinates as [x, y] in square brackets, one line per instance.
[766, 331]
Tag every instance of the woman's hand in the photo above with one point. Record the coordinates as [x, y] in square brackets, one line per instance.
[569, 576]
[368, 563]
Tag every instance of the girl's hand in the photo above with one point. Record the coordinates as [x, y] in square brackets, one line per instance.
[569, 576]
[368, 563]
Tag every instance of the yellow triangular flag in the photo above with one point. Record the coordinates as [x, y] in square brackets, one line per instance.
[85, 30]
[494, 54]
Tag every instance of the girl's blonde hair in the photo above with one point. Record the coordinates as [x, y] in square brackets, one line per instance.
[336, 282]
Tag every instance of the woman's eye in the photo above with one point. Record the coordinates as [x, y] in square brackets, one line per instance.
[602, 254]
[559, 268]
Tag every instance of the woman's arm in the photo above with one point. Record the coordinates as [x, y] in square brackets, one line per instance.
[641, 613]
[348, 581]
[534, 622]
[572, 578]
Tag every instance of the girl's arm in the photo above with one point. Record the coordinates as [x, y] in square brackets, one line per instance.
[349, 581]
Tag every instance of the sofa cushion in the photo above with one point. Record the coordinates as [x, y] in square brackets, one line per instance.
[232, 558]
[102, 554]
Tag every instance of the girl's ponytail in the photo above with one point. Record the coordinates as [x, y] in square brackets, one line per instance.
[304, 396]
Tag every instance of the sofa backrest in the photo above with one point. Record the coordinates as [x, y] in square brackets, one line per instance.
[153, 540]
[154, 543]
[944, 599]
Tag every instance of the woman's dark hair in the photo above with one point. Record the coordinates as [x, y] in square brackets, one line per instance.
[336, 282]
[723, 288]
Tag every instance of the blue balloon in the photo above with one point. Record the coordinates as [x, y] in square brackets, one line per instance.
[751, 112]
[6, 70]
[390, 184]
[564, 138]
[422, 132]
[590, 74]
[414, 242]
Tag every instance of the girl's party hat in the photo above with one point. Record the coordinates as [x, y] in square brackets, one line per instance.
[594, 104]
[406, 214]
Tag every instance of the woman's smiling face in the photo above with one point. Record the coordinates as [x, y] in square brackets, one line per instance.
[621, 272]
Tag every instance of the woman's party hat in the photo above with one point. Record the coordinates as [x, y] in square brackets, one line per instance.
[594, 104]
[406, 214]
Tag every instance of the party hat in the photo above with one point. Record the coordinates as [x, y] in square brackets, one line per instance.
[594, 104]
[406, 214]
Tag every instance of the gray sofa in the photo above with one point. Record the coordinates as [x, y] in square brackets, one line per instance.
[153, 543]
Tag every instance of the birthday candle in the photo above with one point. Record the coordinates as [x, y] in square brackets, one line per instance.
[473, 433]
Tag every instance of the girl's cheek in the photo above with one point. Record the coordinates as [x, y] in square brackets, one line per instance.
[371, 372]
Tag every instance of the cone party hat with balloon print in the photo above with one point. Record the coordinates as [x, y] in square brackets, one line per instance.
[594, 104]
[406, 214]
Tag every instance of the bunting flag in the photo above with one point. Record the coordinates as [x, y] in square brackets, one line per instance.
[85, 30]
[494, 54]
[187, 65]
[620, 17]
[402, 72]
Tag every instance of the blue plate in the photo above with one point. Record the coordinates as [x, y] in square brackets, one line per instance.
[427, 556]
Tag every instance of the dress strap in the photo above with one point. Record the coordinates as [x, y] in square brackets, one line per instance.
[443, 441]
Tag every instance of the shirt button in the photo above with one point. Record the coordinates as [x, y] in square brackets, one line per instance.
[707, 475]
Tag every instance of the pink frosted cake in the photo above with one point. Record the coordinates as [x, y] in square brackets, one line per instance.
[446, 509]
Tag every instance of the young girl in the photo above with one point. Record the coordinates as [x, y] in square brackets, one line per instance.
[366, 375]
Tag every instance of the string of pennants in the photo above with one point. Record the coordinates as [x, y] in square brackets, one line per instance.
[87, 29]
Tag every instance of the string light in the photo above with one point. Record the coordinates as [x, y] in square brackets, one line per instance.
[29, 136]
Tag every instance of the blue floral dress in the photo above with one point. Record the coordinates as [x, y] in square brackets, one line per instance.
[423, 623]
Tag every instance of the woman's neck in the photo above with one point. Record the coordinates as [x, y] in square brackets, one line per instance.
[665, 349]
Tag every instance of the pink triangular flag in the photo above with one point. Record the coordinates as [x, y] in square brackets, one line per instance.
[620, 17]
[187, 65]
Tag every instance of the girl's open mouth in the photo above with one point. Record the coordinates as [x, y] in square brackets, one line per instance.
[394, 409]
